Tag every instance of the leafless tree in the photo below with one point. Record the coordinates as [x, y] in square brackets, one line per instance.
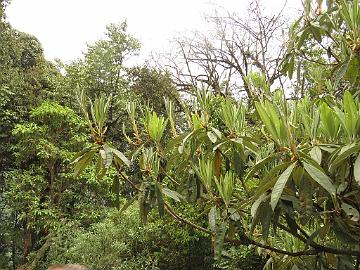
[222, 59]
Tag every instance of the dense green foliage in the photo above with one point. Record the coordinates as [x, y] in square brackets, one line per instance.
[111, 167]
[120, 241]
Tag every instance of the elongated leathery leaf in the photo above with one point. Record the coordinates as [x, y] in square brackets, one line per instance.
[218, 228]
[159, 199]
[357, 169]
[173, 194]
[120, 156]
[260, 107]
[106, 155]
[280, 185]
[345, 152]
[315, 154]
[259, 165]
[321, 178]
[83, 162]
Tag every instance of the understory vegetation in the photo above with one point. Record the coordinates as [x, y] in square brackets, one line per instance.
[239, 149]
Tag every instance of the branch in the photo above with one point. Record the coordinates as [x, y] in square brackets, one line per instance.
[185, 221]
[123, 176]
[245, 240]
[319, 248]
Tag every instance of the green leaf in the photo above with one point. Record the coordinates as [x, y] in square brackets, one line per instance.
[260, 165]
[218, 230]
[219, 239]
[159, 199]
[350, 211]
[353, 71]
[315, 30]
[174, 142]
[345, 152]
[128, 203]
[106, 155]
[315, 154]
[291, 66]
[238, 164]
[280, 185]
[342, 231]
[321, 178]
[357, 169]
[312, 237]
[212, 136]
[269, 180]
[302, 36]
[329, 124]
[225, 186]
[298, 175]
[265, 215]
[212, 218]
[257, 203]
[142, 208]
[340, 71]
[121, 157]
[261, 212]
[83, 162]
[99, 168]
[217, 132]
[265, 118]
[80, 154]
[116, 191]
[173, 194]
[307, 7]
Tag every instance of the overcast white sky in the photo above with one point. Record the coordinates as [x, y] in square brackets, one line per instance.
[65, 26]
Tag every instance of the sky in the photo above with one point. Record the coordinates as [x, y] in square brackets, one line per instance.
[64, 27]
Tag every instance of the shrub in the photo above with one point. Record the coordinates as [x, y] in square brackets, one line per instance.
[120, 241]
